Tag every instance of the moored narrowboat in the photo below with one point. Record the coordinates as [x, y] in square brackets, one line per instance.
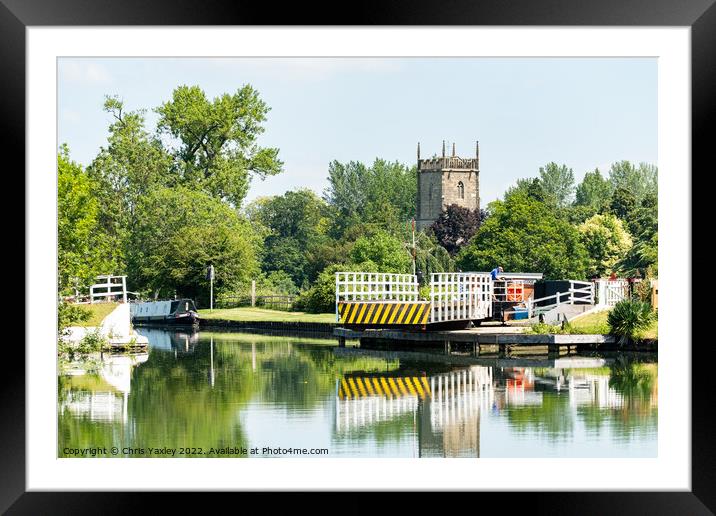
[174, 312]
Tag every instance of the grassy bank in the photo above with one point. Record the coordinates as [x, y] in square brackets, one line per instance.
[98, 312]
[249, 314]
[592, 324]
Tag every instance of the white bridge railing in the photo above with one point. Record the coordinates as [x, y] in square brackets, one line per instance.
[456, 296]
[579, 292]
[375, 286]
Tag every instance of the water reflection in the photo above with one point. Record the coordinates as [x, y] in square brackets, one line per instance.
[242, 391]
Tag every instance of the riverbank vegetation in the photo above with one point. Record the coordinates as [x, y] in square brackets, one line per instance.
[609, 322]
[162, 203]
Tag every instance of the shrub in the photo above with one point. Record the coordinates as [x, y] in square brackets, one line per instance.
[321, 297]
[629, 318]
[92, 342]
[68, 314]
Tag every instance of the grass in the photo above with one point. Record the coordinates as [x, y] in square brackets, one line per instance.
[98, 311]
[593, 324]
[249, 314]
[597, 323]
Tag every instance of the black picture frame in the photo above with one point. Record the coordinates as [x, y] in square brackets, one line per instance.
[700, 15]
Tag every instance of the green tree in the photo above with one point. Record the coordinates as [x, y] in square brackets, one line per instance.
[179, 233]
[644, 225]
[525, 235]
[83, 250]
[382, 195]
[297, 222]
[430, 256]
[623, 203]
[606, 241]
[383, 249]
[594, 191]
[321, 297]
[638, 180]
[557, 181]
[133, 164]
[217, 150]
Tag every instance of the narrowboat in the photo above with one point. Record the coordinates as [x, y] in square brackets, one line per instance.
[174, 312]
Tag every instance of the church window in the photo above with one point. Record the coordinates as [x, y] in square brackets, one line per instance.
[460, 190]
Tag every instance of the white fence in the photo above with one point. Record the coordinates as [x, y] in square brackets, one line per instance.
[610, 292]
[580, 292]
[109, 288]
[456, 296]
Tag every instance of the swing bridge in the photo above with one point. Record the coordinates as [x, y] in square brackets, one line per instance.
[457, 299]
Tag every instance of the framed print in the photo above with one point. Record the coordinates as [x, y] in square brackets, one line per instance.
[417, 253]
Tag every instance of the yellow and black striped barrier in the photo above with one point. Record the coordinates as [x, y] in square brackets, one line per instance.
[384, 313]
[388, 387]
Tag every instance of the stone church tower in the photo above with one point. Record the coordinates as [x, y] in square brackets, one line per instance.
[444, 181]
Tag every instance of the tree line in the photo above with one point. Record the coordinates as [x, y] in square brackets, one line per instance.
[162, 204]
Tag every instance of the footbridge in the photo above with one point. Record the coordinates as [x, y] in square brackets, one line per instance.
[454, 300]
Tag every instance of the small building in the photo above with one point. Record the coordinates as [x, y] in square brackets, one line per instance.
[446, 180]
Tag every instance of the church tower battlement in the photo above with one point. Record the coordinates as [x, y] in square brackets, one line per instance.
[446, 180]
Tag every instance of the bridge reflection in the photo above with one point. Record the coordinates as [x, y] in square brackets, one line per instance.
[447, 408]
[105, 396]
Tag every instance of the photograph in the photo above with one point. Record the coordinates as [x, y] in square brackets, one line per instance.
[357, 257]
[425, 252]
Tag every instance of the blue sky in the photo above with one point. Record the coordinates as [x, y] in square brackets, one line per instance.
[526, 112]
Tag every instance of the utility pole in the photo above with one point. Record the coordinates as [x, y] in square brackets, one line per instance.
[210, 277]
[414, 252]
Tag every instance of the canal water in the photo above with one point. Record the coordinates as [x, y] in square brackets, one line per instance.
[247, 395]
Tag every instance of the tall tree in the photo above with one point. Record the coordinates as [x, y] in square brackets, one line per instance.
[218, 151]
[594, 191]
[638, 180]
[83, 250]
[558, 183]
[382, 195]
[525, 235]
[132, 165]
[644, 225]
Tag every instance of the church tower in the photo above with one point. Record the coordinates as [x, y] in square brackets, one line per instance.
[444, 181]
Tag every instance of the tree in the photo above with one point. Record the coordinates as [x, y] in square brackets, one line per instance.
[296, 221]
[179, 233]
[606, 241]
[594, 191]
[384, 250]
[382, 195]
[83, 250]
[133, 164]
[430, 256]
[557, 181]
[217, 152]
[321, 297]
[525, 235]
[623, 203]
[455, 226]
[639, 181]
[644, 226]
